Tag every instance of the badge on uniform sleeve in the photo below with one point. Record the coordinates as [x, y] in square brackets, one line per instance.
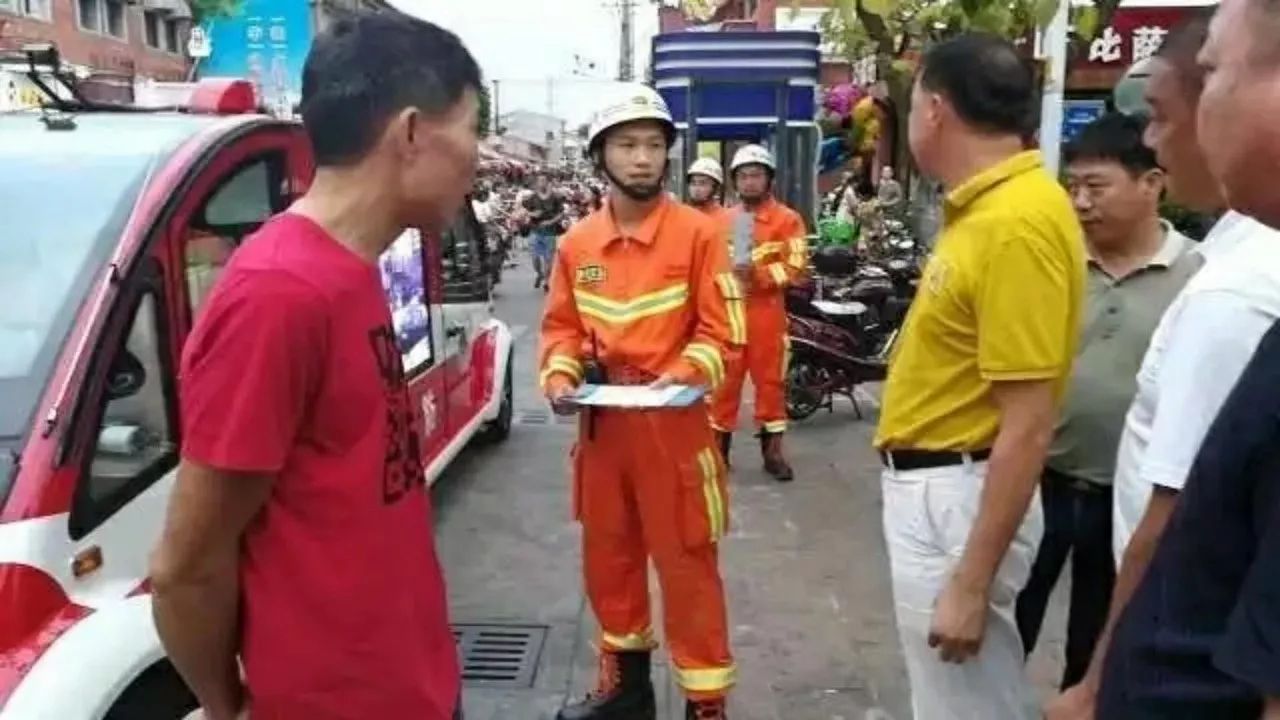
[590, 274]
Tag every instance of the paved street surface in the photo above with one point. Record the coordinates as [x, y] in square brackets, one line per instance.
[805, 566]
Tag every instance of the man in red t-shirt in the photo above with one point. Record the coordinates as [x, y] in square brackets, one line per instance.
[299, 535]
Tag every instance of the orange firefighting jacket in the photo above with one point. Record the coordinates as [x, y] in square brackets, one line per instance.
[780, 256]
[663, 301]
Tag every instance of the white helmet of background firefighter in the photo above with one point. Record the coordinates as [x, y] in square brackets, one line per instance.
[635, 102]
[754, 155]
[707, 167]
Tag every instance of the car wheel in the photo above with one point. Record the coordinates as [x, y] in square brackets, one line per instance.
[157, 694]
[499, 428]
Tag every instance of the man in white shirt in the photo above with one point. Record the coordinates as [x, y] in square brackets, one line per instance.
[1198, 351]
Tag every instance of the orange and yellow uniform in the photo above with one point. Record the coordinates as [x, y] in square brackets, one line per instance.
[779, 257]
[649, 483]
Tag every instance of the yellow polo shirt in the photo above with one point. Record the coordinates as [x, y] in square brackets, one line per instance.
[1000, 300]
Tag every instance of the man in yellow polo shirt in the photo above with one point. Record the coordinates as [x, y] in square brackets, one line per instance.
[975, 383]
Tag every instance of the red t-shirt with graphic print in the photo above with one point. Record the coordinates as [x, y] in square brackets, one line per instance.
[292, 370]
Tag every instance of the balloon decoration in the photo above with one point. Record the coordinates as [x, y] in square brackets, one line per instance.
[850, 125]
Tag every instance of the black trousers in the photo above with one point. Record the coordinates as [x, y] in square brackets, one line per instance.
[1077, 522]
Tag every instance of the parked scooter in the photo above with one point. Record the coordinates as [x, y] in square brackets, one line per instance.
[843, 325]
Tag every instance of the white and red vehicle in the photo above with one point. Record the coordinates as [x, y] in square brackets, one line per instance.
[115, 224]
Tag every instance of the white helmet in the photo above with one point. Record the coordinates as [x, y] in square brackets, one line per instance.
[707, 166]
[634, 102]
[753, 155]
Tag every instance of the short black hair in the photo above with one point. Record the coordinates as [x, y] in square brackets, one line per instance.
[990, 85]
[1115, 137]
[1183, 43]
[369, 65]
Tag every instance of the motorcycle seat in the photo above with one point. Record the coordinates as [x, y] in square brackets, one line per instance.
[838, 309]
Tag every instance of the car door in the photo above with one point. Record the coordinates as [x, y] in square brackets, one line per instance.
[465, 310]
[127, 426]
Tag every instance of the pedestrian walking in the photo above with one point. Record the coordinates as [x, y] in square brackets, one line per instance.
[641, 294]
[298, 539]
[778, 257]
[1197, 355]
[975, 384]
[1200, 636]
[1137, 264]
[546, 213]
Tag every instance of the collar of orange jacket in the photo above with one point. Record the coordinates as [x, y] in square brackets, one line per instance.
[648, 230]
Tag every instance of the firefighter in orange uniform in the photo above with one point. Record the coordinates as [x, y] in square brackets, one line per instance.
[642, 294]
[779, 257]
[706, 178]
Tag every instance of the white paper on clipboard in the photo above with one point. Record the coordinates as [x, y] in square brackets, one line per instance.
[637, 396]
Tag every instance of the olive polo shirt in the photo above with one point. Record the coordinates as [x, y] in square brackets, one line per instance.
[1120, 316]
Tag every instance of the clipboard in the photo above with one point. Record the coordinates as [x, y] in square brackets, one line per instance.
[637, 397]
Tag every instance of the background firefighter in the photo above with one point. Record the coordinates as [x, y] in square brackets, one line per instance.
[706, 179]
[641, 291]
[779, 256]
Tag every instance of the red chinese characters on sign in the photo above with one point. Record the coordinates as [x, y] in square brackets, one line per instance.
[1134, 34]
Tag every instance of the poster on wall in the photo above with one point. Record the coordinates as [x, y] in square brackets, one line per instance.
[266, 42]
[405, 287]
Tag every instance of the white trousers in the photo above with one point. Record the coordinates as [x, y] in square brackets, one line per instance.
[927, 518]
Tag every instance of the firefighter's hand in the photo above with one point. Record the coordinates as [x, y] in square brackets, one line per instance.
[959, 621]
[666, 381]
[561, 399]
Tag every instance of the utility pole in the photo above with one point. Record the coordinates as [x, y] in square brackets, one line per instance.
[1053, 49]
[626, 59]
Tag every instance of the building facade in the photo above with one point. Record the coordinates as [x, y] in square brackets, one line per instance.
[109, 44]
[544, 134]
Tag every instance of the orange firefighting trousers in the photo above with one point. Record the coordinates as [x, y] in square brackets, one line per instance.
[652, 484]
[765, 357]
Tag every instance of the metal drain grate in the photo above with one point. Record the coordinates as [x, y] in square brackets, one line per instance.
[543, 417]
[534, 417]
[501, 656]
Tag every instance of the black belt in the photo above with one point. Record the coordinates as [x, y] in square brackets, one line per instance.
[1076, 483]
[925, 459]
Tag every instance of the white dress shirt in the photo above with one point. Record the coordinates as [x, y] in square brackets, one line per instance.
[1198, 351]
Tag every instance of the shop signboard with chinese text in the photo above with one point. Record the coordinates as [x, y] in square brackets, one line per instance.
[1134, 34]
[266, 43]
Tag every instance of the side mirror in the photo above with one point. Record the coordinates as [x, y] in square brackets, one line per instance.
[127, 376]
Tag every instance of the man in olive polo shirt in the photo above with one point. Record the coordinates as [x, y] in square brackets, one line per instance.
[974, 386]
[1137, 264]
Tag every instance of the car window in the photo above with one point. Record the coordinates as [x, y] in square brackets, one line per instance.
[135, 441]
[464, 258]
[405, 284]
[237, 207]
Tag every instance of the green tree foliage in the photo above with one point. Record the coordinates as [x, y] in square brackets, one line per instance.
[203, 10]
[485, 113]
[894, 30]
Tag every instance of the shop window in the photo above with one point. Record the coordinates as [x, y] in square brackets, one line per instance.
[105, 17]
[38, 9]
[162, 31]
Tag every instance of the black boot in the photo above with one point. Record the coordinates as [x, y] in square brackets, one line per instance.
[624, 691]
[775, 463]
[725, 439]
[705, 710]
